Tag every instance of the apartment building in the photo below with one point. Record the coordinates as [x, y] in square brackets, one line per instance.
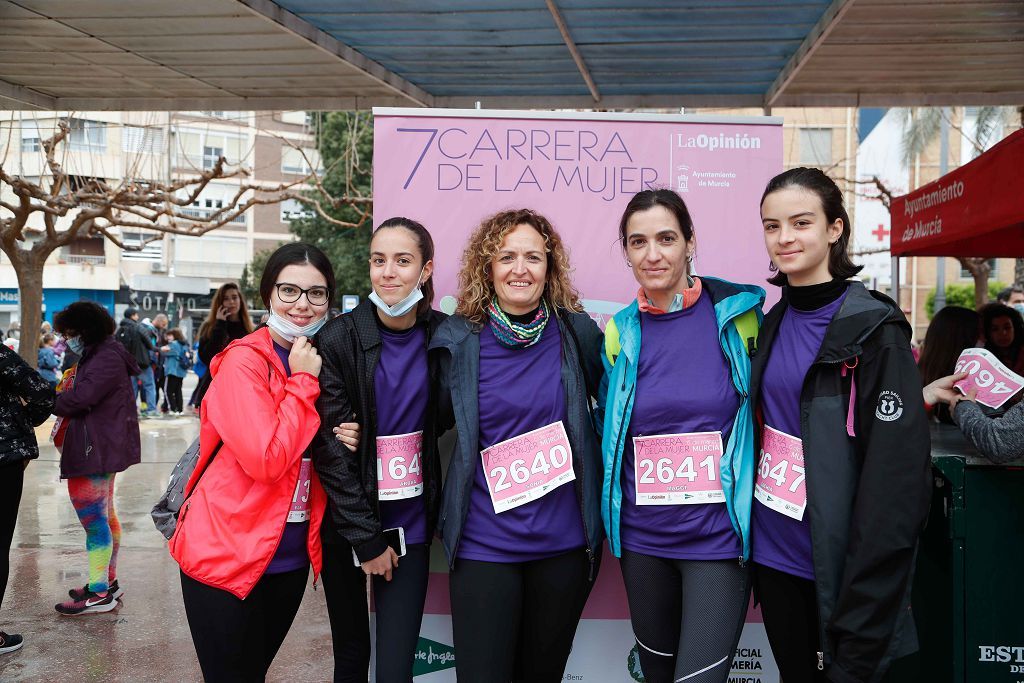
[175, 271]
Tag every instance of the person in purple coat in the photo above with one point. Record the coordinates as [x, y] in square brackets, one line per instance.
[102, 439]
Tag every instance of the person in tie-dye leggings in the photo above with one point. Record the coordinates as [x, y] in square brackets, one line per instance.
[101, 438]
[93, 498]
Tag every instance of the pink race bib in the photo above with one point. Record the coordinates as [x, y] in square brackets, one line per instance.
[995, 382]
[299, 511]
[678, 469]
[527, 467]
[779, 483]
[400, 466]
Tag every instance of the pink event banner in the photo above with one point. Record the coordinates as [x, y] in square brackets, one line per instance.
[450, 169]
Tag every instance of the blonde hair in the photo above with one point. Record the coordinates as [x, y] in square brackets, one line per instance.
[476, 290]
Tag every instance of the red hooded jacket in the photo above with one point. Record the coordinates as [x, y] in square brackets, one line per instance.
[230, 527]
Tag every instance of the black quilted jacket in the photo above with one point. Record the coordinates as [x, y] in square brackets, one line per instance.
[19, 382]
[350, 346]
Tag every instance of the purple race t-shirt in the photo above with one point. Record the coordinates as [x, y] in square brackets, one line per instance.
[400, 394]
[292, 552]
[683, 385]
[520, 390]
[778, 541]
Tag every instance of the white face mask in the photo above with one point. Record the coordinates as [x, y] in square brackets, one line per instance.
[289, 330]
[402, 307]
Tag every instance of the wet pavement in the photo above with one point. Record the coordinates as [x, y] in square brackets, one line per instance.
[146, 638]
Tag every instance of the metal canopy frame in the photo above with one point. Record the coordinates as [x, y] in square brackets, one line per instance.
[526, 54]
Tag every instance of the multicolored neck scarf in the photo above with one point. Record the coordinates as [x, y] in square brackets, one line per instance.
[684, 299]
[514, 335]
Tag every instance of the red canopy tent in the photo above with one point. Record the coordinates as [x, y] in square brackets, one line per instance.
[975, 210]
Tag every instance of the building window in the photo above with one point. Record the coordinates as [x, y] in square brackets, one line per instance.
[152, 252]
[993, 271]
[87, 136]
[816, 146]
[298, 161]
[211, 155]
[200, 149]
[30, 140]
[142, 140]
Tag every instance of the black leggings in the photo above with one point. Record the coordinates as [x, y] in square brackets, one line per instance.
[399, 607]
[687, 615]
[12, 479]
[789, 606]
[516, 621]
[173, 393]
[236, 640]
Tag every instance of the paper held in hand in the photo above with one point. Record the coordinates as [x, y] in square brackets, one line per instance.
[995, 382]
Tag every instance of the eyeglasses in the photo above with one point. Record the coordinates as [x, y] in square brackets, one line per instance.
[289, 294]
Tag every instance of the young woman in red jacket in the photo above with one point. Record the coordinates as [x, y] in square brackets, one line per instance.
[250, 529]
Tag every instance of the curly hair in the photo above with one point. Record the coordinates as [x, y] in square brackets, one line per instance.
[476, 290]
[86, 319]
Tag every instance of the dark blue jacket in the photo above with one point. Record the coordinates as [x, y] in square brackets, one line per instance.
[457, 343]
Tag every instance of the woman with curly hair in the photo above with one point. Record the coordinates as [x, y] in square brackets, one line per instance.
[519, 519]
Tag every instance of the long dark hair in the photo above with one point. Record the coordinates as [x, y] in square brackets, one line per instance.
[814, 180]
[426, 246]
[952, 330]
[296, 254]
[648, 199]
[992, 312]
[218, 300]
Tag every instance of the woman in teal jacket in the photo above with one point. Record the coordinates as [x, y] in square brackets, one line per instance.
[678, 446]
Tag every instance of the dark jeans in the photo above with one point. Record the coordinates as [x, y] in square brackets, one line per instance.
[173, 393]
[399, 607]
[12, 478]
[516, 621]
[236, 640]
[789, 606]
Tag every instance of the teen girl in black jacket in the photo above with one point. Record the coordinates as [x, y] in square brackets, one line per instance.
[376, 373]
[835, 592]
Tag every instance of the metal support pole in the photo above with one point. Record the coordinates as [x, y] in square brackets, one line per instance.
[940, 262]
[894, 288]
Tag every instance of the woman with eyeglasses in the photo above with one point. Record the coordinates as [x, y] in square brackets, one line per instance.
[250, 525]
[383, 494]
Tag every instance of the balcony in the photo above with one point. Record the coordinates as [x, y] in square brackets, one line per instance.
[91, 259]
[203, 214]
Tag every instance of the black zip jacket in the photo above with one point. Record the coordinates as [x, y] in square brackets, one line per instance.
[350, 346]
[867, 495]
[26, 400]
[457, 347]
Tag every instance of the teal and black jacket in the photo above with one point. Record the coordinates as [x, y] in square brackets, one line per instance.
[738, 313]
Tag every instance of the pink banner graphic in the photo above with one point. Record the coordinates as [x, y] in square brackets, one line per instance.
[450, 170]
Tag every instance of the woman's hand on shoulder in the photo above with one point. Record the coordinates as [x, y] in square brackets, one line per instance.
[304, 358]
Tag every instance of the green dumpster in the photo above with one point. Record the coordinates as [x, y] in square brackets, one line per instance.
[968, 591]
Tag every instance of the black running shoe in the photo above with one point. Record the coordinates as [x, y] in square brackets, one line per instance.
[9, 642]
